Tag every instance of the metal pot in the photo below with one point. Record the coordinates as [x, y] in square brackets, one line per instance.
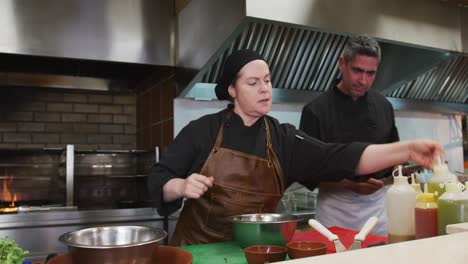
[263, 229]
[113, 244]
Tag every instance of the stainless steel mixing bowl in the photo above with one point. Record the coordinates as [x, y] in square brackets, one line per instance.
[263, 229]
[114, 244]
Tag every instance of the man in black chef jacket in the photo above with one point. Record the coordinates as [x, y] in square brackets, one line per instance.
[350, 111]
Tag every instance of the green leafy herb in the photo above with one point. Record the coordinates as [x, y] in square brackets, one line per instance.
[10, 252]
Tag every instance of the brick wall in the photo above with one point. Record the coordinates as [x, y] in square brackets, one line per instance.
[156, 113]
[38, 117]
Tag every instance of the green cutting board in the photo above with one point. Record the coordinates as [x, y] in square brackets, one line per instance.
[217, 253]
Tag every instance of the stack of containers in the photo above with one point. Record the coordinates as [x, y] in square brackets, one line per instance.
[412, 214]
[400, 203]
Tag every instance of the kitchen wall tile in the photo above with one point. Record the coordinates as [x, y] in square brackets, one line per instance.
[85, 128]
[112, 109]
[99, 118]
[31, 127]
[123, 139]
[58, 127]
[46, 138]
[74, 97]
[86, 118]
[73, 138]
[130, 109]
[7, 127]
[16, 138]
[111, 129]
[99, 139]
[18, 116]
[59, 107]
[47, 117]
[74, 117]
[85, 108]
[124, 99]
[130, 129]
[8, 146]
[30, 146]
[123, 119]
[94, 98]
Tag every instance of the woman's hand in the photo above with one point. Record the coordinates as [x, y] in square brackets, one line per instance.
[380, 156]
[424, 152]
[196, 185]
[193, 187]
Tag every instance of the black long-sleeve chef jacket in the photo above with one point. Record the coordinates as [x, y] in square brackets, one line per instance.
[302, 158]
[335, 117]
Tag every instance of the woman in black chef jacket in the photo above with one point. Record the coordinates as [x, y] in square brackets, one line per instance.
[240, 160]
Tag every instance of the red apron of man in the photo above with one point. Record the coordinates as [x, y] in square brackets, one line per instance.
[243, 184]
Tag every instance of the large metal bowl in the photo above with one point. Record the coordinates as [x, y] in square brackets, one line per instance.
[263, 229]
[114, 244]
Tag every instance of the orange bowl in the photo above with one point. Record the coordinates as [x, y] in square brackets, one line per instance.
[264, 254]
[302, 249]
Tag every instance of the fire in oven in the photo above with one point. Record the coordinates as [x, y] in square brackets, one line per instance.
[30, 179]
[8, 202]
[70, 179]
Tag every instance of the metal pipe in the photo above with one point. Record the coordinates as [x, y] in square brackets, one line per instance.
[69, 173]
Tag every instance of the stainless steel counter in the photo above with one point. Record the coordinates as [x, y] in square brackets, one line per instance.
[38, 232]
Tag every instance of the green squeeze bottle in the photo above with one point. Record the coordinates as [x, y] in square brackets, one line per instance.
[451, 206]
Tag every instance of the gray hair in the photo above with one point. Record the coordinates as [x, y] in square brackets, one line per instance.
[361, 45]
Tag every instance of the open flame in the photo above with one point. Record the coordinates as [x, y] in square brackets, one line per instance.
[6, 194]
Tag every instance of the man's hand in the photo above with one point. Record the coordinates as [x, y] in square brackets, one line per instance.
[371, 186]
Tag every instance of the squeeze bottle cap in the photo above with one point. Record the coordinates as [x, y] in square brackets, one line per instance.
[440, 169]
[453, 187]
[416, 186]
[426, 197]
[399, 179]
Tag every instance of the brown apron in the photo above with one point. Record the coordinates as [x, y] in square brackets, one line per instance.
[243, 184]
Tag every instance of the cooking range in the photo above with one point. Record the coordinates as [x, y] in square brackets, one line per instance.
[48, 192]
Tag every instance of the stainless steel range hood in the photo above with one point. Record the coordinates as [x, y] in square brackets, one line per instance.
[80, 35]
[303, 63]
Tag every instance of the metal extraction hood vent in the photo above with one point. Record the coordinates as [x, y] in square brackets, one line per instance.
[303, 62]
[446, 82]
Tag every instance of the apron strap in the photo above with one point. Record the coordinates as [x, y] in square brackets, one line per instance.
[219, 138]
[272, 158]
